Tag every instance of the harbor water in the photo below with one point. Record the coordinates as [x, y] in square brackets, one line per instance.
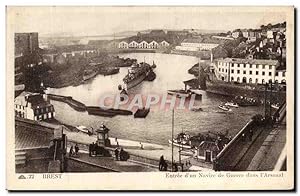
[171, 71]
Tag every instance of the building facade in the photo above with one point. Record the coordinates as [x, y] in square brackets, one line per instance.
[33, 106]
[252, 71]
[143, 44]
[195, 45]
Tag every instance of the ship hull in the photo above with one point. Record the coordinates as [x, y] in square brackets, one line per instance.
[135, 81]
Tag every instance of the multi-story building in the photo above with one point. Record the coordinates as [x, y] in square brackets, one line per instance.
[252, 71]
[33, 106]
[195, 45]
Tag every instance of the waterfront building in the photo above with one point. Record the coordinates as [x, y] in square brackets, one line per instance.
[252, 71]
[144, 43]
[196, 45]
[33, 106]
[223, 37]
[153, 44]
[164, 43]
[123, 44]
[133, 44]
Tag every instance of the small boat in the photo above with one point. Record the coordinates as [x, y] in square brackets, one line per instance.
[88, 74]
[225, 108]
[232, 104]
[84, 129]
[181, 145]
[180, 93]
[275, 106]
[182, 140]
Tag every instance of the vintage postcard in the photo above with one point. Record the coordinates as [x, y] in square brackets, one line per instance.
[150, 98]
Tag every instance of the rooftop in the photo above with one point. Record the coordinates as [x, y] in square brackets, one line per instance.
[35, 99]
[147, 38]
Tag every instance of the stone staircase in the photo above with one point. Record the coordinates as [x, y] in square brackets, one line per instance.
[20, 157]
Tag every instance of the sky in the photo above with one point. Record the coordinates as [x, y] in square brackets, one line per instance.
[86, 21]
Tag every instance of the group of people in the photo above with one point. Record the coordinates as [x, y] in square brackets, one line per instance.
[71, 152]
[121, 154]
[93, 149]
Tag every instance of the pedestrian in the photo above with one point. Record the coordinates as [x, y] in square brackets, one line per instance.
[165, 168]
[90, 149]
[175, 167]
[93, 148]
[121, 154]
[117, 154]
[243, 137]
[71, 151]
[250, 135]
[76, 149]
[161, 163]
[142, 147]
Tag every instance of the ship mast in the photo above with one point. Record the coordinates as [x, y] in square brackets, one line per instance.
[172, 140]
[199, 72]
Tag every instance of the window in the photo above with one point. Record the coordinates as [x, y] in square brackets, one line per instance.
[222, 69]
[263, 81]
[270, 67]
[244, 72]
[232, 65]
[244, 65]
[257, 66]
[257, 73]
[263, 73]
[238, 71]
[256, 80]
[219, 69]
[232, 71]
[283, 74]
[250, 80]
[232, 78]
[226, 70]
[270, 73]
[250, 72]
[238, 65]
[263, 67]
[250, 66]
[276, 74]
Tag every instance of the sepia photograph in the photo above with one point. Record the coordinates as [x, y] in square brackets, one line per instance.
[168, 93]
